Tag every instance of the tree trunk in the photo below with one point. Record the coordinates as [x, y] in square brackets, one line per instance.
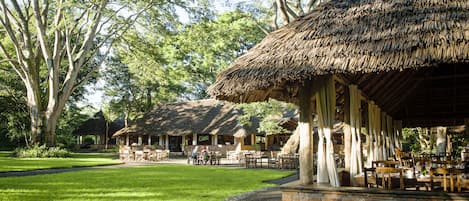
[106, 135]
[149, 104]
[35, 111]
[50, 127]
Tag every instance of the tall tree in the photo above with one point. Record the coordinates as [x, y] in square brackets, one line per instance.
[277, 12]
[201, 50]
[62, 38]
[13, 110]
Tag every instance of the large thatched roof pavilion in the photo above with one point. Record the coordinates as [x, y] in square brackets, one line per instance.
[98, 127]
[392, 63]
[173, 124]
[182, 118]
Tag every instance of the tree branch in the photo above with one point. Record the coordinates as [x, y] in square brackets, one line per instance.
[42, 34]
[13, 63]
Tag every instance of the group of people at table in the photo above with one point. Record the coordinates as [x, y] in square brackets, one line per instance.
[204, 156]
[425, 170]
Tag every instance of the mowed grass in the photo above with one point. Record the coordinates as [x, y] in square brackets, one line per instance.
[8, 163]
[159, 182]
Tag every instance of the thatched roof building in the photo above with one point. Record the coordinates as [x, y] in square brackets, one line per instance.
[96, 125]
[192, 117]
[409, 56]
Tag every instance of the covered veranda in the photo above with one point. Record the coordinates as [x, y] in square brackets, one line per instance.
[376, 65]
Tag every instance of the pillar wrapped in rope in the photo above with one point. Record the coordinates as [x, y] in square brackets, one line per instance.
[355, 125]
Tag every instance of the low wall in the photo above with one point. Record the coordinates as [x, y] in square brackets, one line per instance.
[324, 193]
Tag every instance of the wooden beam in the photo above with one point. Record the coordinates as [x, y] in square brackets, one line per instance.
[393, 87]
[371, 82]
[403, 96]
[390, 97]
[385, 79]
[443, 77]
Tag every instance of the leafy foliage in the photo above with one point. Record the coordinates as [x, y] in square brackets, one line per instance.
[270, 114]
[410, 140]
[169, 60]
[42, 151]
[14, 119]
[203, 49]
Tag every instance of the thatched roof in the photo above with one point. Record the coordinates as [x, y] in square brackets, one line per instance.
[349, 37]
[96, 125]
[409, 56]
[192, 117]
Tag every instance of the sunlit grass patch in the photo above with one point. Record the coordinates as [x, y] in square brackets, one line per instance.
[159, 182]
[8, 163]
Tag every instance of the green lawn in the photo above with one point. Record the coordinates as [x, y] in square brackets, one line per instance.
[77, 160]
[159, 182]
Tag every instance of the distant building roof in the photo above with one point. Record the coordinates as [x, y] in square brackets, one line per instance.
[96, 125]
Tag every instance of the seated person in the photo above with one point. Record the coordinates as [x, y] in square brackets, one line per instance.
[205, 154]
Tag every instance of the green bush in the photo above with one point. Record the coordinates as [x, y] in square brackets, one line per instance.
[41, 152]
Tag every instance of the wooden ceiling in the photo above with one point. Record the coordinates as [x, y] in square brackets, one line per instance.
[431, 96]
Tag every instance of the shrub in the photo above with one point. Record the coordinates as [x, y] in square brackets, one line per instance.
[41, 152]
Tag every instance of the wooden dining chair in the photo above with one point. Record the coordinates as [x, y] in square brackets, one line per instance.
[385, 174]
[445, 175]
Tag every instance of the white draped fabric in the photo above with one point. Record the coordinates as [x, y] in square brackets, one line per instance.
[322, 174]
[375, 136]
[370, 137]
[398, 131]
[390, 139]
[355, 126]
[325, 107]
[377, 131]
[384, 135]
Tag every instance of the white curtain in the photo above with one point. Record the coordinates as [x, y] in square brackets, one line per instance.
[370, 137]
[325, 107]
[322, 175]
[377, 133]
[384, 135]
[390, 139]
[355, 125]
[375, 136]
[398, 131]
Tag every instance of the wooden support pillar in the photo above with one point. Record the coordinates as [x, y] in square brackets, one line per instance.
[194, 139]
[166, 143]
[140, 140]
[215, 139]
[237, 142]
[127, 140]
[306, 138]
[161, 140]
[347, 129]
[149, 139]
